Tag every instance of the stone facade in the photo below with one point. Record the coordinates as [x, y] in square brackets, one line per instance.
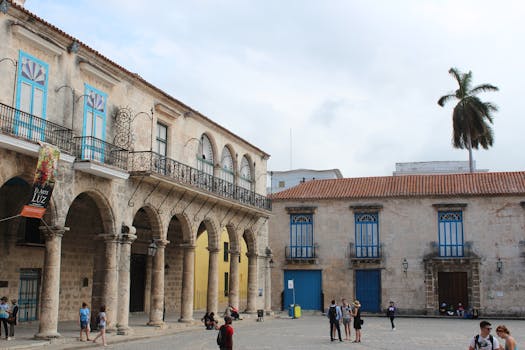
[114, 196]
[409, 260]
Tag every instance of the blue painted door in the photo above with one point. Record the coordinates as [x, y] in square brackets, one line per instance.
[368, 289]
[307, 286]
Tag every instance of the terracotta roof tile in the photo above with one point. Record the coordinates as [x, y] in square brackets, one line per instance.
[477, 184]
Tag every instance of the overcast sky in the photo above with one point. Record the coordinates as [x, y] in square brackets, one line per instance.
[355, 83]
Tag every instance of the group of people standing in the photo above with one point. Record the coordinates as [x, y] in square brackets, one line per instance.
[85, 319]
[344, 314]
[8, 317]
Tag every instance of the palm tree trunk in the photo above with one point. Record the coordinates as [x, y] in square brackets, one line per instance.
[469, 146]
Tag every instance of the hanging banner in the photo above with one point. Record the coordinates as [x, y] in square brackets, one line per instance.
[43, 183]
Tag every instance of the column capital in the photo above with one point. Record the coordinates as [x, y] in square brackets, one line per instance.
[187, 246]
[234, 252]
[127, 238]
[53, 231]
[213, 250]
[107, 237]
[161, 243]
[252, 255]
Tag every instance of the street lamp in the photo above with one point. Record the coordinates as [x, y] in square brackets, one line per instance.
[499, 265]
[405, 265]
[152, 248]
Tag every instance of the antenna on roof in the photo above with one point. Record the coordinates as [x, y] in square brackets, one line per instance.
[290, 148]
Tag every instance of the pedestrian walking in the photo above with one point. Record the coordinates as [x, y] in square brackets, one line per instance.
[504, 333]
[4, 315]
[101, 326]
[12, 320]
[225, 335]
[346, 310]
[83, 321]
[335, 316]
[358, 322]
[484, 340]
[391, 313]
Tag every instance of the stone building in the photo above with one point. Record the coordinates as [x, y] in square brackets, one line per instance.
[139, 171]
[418, 240]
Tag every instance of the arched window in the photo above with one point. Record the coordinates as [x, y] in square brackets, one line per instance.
[227, 173]
[205, 155]
[246, 179]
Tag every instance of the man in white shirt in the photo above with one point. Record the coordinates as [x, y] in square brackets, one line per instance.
[484, 340]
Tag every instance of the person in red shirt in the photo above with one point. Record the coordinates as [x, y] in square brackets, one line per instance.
[228, 334]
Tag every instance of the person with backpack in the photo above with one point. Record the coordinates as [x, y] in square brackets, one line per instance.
[484, 340]
[391, 313]
[335, 316]
[225, 335]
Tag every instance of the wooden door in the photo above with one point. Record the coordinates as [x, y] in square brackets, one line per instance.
[452, 288]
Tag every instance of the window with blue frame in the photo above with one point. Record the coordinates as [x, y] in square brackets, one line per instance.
[94, 126]
[31, 97]
[301, 236]
[367, 235]
[450, 233]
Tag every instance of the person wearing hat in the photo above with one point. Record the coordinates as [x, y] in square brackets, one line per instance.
[4, 315]
[12, 318]
[357, 321]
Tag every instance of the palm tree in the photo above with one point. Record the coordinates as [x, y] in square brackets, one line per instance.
[471, 117]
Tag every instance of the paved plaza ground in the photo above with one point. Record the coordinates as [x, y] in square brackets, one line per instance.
[307, 332]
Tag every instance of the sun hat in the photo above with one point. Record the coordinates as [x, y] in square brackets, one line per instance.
[357, 303]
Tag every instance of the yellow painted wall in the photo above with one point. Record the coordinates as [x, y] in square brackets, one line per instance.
[201, 273]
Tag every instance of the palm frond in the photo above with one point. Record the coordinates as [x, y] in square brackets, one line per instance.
[443, 99]
[483, 88]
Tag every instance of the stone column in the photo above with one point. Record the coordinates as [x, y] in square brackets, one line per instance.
[110, 288]
[251, 306]
[213, 281]
[156, 311]
[188, 278]
[49, 301]
[233, 293]
[124, 282]
[268, 286]
[147, 286]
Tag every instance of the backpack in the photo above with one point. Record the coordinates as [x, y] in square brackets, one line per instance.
[332, 313]
[476, 344]
[221, 336]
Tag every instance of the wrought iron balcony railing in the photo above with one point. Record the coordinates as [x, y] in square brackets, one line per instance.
[151, 162]
[300, 252]
[364, 252]
[32, 128]
[91, 148]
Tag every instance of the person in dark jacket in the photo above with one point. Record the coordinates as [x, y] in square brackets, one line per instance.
[13, 315]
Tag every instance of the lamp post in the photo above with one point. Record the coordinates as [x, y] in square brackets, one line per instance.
[499, 265]
[405, 265]
[152, 248]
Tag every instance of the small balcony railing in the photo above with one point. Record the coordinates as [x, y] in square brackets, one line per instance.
[93, 149]
[365, 252]
[32, 128]
[151, 162]
[300, 253]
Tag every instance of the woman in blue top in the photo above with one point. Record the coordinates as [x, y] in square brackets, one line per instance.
[4, 315]
[84, 317]
[504, 333]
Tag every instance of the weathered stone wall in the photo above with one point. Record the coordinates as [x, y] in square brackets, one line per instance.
[493, 228]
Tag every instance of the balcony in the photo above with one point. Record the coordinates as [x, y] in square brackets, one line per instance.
[21, 132]
[147, 162]
[365, 254]
[100, 158]
[301, 254]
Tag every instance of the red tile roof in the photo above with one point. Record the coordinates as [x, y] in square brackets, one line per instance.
[477, 184]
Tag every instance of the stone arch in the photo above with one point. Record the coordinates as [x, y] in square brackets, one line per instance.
[214, 232]
[251, 240]
[105, 210]
[154, 220]
[234, 237]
